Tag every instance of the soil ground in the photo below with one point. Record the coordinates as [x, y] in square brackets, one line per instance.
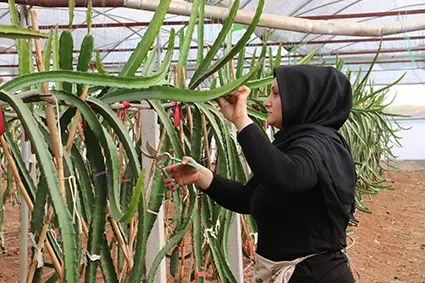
[389, 244]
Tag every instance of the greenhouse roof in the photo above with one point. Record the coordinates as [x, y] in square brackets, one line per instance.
[117, 31]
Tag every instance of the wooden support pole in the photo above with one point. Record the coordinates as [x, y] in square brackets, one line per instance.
[57, 148]
[28, 200]
[50, 113]
[76, 122]
[56, 141]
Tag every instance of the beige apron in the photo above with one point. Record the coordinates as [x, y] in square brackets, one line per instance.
[267, 271]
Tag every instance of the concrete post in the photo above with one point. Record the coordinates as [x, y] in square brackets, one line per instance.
[235, 248]
[23, 233]
[150, 133]
[235, 239]
[26, 153]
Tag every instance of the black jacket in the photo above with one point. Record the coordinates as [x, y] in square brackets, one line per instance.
[302, 191]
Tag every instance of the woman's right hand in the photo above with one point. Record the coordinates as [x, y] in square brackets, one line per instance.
[182, 174]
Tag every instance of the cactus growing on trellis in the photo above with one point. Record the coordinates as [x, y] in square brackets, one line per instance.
[98, 203]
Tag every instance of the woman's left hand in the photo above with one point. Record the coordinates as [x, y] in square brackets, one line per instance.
[236, 111]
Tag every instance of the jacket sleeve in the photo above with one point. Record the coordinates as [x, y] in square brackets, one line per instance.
[293, 171]
[232, 195]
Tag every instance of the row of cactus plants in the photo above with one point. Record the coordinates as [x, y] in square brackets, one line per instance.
[91, 208]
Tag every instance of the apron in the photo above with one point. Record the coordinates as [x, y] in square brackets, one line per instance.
[268, 271]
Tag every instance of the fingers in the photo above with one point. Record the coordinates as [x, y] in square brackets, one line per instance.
[180, 174]
[244, 89]
[187, 159]
[171, 186]
[241, 92]
[170, 182]
[244, 92]
[231, 98]
[221, 103]
[174, 168]
[181, 167]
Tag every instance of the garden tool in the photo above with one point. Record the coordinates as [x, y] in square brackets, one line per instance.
[161, 159]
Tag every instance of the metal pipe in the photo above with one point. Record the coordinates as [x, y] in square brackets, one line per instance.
[110, 50]
[121, 25]
[245, 17]
[346, 63]
[304, 42]
[384, 62]
[358, 52]
[337, 41]
[321, 55]
[354, 52]
[365, 15]
[295, 43]
[210, 22]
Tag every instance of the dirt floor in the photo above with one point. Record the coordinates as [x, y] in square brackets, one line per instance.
[389, 244]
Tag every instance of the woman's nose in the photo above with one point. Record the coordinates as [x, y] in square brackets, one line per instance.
[266, 103]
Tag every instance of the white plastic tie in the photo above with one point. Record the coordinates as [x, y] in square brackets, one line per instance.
[210, 232]
[255, 235]
[152, 212]
[38, 255]
[92, 257]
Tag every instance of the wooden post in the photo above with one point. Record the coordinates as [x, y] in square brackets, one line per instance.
[150, 133]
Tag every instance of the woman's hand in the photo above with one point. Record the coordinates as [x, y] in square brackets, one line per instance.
[182, 174]
[236, 111]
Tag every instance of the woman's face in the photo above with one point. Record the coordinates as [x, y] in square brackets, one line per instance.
[273, 105]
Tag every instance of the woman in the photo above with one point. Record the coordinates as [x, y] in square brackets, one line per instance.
[301, 194]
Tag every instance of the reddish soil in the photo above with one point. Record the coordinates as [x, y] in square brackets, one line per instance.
[389, 244]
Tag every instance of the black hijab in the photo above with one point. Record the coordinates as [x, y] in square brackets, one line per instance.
[316, 101]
